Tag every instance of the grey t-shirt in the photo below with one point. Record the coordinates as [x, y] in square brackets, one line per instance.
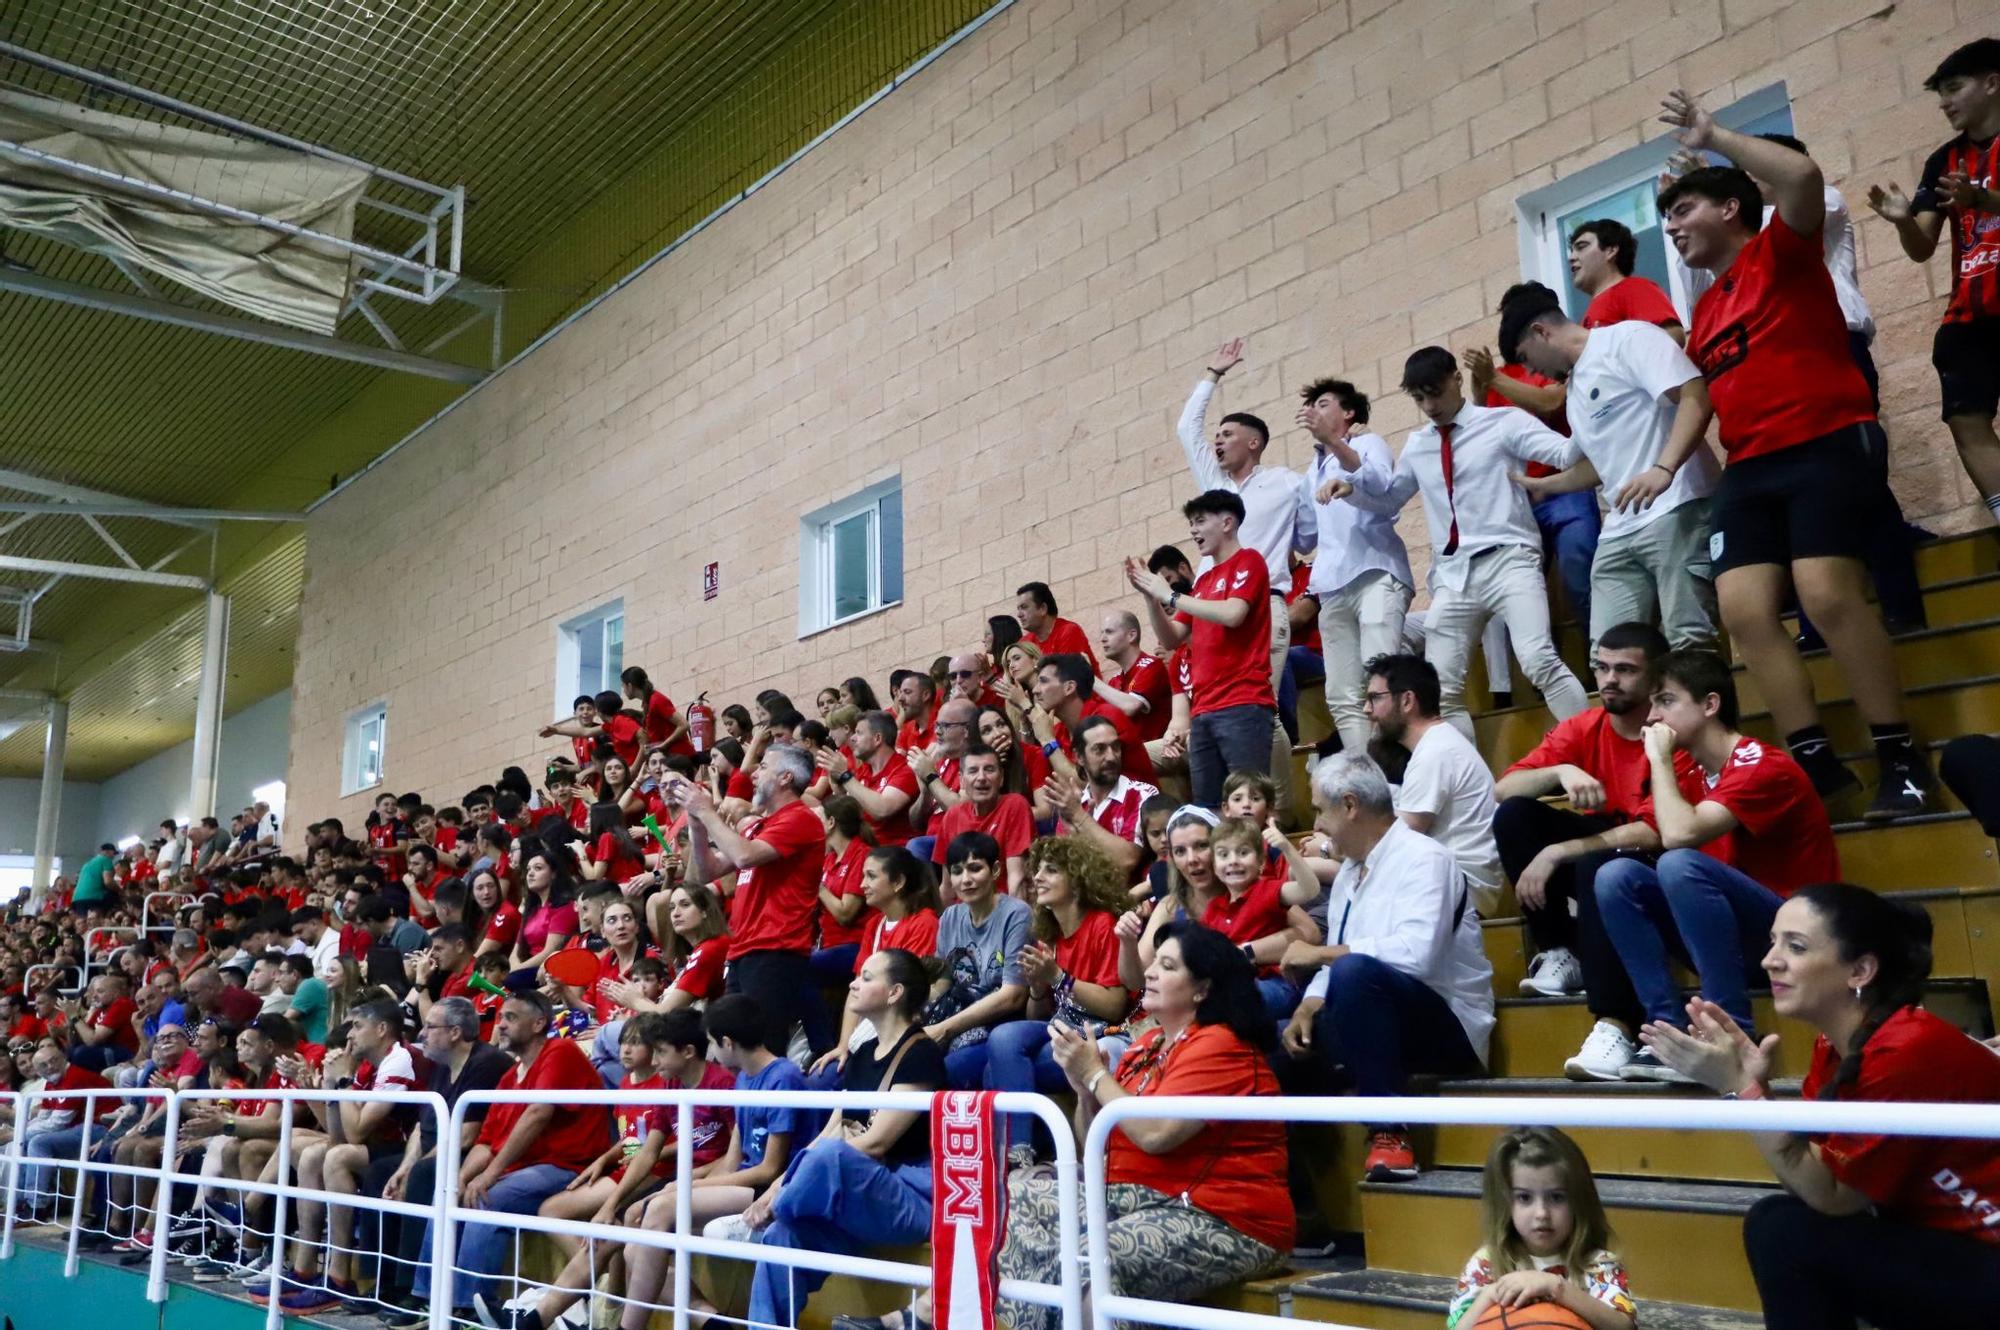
[994, 946]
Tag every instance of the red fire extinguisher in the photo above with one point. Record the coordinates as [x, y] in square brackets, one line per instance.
[701, 724]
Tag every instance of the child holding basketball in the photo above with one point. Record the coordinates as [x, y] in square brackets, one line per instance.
[1546, 1261]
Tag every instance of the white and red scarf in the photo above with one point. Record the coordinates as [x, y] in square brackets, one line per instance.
[968, 1209]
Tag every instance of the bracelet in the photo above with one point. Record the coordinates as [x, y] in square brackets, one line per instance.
[1090, 1086]
[1051, 748]
[1661, 466]
[1172, 602]
[1752, 1092]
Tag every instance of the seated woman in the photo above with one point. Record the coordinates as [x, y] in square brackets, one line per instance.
[843, 910]
[1262, 910]
[903, 897]
[866, 1180]
[548, 911]
[1023, 768]
[979, 943]
[1903, 1231]
[612, 854]
[1193, 1206]
[1071, 968]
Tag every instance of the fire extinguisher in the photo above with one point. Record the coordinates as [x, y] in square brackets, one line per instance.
[701, 724]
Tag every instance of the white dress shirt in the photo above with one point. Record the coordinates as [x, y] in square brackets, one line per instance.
[1408, 906]
[1354, 541]
[1488, 445]
[1836, 239]
[1277, 510]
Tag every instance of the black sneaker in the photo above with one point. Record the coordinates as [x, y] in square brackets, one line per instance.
[1829, 775]
[1646, 1066]
[1905, 790]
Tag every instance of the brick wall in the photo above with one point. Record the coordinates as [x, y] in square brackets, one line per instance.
[1002, 280]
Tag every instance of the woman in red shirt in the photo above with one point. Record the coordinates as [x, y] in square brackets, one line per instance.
[1901, 1230]
[1023, 769]
[498, 920]
[613, 854]
[697, 950]
[843, 911]
[1193, 1206]
[1071, 967]
[902, 902]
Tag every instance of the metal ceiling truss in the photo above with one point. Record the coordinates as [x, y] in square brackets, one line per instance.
[425, 270]
[91, 507]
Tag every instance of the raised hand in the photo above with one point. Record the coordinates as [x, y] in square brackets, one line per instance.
[1478, 362]
[1890, 203]
[1227, 357]
[1693, 126]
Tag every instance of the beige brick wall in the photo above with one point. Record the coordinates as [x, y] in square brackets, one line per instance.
[1001, 280]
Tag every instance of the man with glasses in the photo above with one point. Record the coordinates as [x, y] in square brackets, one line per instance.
[972, 677]
[134, 1135]
[936, 770]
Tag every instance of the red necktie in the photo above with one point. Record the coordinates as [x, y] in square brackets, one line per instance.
[1444, 455]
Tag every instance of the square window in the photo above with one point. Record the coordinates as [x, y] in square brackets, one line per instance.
[590, 654]
[851, 557]
[363, 750]
[1624, 188]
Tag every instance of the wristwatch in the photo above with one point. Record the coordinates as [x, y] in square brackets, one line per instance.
[1249, 951]
[1051, 748]
[843, 778]
[1172, 601]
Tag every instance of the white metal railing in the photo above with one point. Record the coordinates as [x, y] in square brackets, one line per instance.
[28, 977]
[1106, 1307]
[174, 900]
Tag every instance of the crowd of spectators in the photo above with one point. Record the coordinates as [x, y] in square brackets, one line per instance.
[1059, 862]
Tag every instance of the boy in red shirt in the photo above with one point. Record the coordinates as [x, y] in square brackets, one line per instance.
[1961, 185]
[1602, 254]
[1741, 828]
[1806, 484]
[1227, 622]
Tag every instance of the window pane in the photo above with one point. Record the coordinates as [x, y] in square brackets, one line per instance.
[614, 652]
[889, 544]
[589, 658]
[1634, 207]
[850, 565]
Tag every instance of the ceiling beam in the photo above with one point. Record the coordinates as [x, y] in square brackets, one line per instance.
[247, 330]
[128, 508]
[101, 572]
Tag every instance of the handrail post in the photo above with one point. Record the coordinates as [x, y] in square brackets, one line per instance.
[70, 1257]
[163, 1209]
[1066, 1216]
[13, 1173]
[443, 1254]
[274, 1312]
[1095, 1215]
[683, 1202]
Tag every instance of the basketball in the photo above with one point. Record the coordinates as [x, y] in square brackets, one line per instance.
[1534, 1316]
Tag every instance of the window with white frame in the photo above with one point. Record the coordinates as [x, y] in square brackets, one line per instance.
[361, 754]
[17, 876]
[590, 654]
[851, 557]
[1624, 188]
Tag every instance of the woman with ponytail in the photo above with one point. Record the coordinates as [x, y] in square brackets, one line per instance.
[1903, 1231]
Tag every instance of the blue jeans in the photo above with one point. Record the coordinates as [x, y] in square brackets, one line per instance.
[1019, 1057]
[1219, 742]
[1702, 910]
[604, 1053]
[482, 1247]
[1383, 1025]
[835, 965]
[965, 1068]
[1303, 666]
[838, 1200]
[38, 1179]
[1570, 525]
[1281, 996]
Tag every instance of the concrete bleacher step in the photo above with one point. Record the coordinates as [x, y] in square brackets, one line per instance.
[1430, 1225]
[1394, 1300]
[1534, 1036]
[1933, 656]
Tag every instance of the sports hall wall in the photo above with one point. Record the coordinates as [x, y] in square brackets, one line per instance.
[1000, 282]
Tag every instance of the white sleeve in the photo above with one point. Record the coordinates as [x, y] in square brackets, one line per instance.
[1532, 441]
[1193, 430]
[1385, 494]
[1305, 522]
[1417, 932]
[1422, 790]
[1651, 357]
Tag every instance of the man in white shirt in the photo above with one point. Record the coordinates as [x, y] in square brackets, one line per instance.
[1486, 550]
[1278, 519]
[1403, 985]
[1633, 393]
[1361, 577]
[173, 848]
[1447, 792]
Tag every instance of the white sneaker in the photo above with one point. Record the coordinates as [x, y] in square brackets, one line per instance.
[1604, 1055]
[1553, 973]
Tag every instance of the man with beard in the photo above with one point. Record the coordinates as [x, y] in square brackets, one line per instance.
[1102, 804]
[1446, 791]
[777, 858]
[1552, 854]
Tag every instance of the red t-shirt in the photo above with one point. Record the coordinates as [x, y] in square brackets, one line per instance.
[916, 934]
[447, 838]
[1587, 741]
[773, 906]
[117, 1018]
[740, 785]
[1782, 839]
[1307, 637]
[1138, 763]
[1180, 670]
[1975, 235]
[1066, 637]
[1147, 676]
[1936, 1182]
[623, 732]
[505, 925]
[919, 731]
[895, 774]
[710, 1124]
[79, 1078]
[1232, 1170]
[947, 772]
[610, 971]
[1772, 342]
[383, 835]
[576, 1134]
[1258, 912]
[841, 876]
[254, 1108]
[1633, 299]
[660, 718]
[701, 973]
[624, 865]
[1011, 823]
[1090, 954]
[1232, 666]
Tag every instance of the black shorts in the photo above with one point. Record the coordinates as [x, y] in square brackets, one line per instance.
[1967, 358]
[1824, 498]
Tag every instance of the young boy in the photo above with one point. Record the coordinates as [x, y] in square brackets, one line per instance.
[1961, 182]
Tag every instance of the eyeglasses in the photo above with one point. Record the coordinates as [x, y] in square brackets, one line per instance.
[1372, 698]
[965, 674]
[953, 725]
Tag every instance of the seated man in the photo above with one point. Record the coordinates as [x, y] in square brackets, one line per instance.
[525, 1153]
[1403, 984]
[1741, 827]
[55, 1129]
[106, 1035]
[1446, 791]
[1595, 760]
